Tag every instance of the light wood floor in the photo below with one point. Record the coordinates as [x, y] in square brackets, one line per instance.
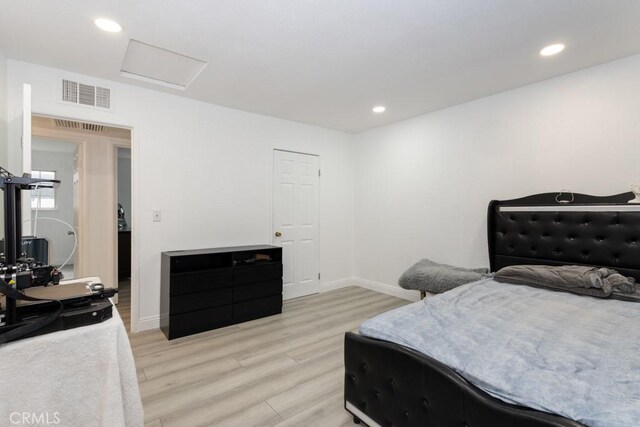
[124, 302]
[284, 370]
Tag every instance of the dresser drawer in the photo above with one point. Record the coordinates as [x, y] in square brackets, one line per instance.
[257, 290]
[256, 273]
[200, 300]
[200, 281]
[254, 309]
[199, 321]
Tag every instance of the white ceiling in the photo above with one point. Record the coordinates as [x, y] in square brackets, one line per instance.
[328, 62]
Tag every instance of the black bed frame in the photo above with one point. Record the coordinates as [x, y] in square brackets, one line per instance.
[387, 384]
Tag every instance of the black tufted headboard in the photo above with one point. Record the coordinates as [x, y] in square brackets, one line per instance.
[589, 230]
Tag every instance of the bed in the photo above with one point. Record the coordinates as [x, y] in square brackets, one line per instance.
[391, 384]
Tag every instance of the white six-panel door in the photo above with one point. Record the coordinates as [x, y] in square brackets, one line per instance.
[296, 196]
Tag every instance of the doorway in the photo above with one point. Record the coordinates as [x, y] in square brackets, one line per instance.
[296, 197]
[123, 180]
[93, 177]
[53, 222]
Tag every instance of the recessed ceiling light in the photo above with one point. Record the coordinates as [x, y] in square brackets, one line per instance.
[378, 109]
[108, 25]
[552, 49]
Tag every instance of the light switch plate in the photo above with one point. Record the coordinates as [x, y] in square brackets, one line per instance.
[157, 216]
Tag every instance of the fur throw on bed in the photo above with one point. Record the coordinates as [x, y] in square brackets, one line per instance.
[435, 278]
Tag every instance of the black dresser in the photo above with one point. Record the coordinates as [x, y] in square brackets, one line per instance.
[206, 289]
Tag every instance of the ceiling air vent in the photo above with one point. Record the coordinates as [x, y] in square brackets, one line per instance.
[69, 124]
[92, 127]
[80, 93]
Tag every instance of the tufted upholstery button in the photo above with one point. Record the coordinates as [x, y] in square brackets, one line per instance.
[376, 393]
[465, 424]
[406, 414]
[364, 366]
[533, 249]
[425, 403]
[585, 253]
[533, 218]
[352, 379]
[392, 384]
[512, 218]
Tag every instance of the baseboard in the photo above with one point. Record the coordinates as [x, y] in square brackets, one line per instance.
[384, 288]
[147, 323]
[336, 284]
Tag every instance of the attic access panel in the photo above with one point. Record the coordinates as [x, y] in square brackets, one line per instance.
[160, 66]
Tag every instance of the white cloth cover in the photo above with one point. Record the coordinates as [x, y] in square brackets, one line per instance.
[80, 377]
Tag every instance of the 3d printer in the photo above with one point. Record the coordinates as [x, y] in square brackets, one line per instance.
[35, 302]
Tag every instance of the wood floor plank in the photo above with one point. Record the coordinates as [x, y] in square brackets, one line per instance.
[302, 354]
[301, 397]
[257, 415]
[182, 364]
[179, 379]
[282, 370]
[329, 412]
[212, 410]
[172, 400]
[332, 327]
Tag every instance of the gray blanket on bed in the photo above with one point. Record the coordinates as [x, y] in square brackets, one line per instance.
[435, 278]
[594, 281]
[553, 351]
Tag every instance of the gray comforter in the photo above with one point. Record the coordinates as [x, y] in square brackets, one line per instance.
[566, 354]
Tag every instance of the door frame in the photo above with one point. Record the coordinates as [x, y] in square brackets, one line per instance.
[272, 205]
[135, 214]
[114, 196]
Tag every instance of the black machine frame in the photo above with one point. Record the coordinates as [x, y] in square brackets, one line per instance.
[38, 315]
[388, 384]
[12, 187]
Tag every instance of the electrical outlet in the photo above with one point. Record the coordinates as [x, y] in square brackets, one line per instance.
[157, 216]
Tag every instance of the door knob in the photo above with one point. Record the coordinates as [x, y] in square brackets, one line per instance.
[278, 234]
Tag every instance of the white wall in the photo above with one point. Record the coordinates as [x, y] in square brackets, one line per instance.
[177, 142]
[3, 128]
[3, 110]
[422, 185]
[124, 181]
[60, 244]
